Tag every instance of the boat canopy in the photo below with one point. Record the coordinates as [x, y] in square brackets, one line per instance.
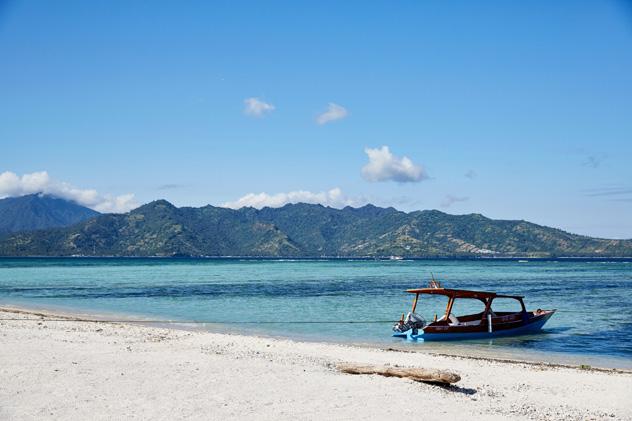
[461, 293]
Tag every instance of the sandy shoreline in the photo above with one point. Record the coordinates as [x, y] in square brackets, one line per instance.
[453, 349]
[70, 369]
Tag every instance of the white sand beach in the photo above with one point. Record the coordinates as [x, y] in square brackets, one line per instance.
[76, 370]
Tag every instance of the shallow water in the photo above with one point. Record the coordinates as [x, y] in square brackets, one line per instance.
[593, 298]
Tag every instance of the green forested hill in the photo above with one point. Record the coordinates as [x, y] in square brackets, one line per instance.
[303, 230]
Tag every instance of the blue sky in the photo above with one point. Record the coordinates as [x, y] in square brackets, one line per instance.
[516, 110]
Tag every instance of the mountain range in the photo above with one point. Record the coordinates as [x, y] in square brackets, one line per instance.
[302, 230]
[40, 211]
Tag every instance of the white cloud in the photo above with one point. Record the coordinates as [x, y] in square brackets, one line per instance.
[334, 198]
[384, 166]
[449, 200]
[12, 185]
[334, 112]
[118, 204]
[256, 107]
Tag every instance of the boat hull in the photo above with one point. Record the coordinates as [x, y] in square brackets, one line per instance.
[533, 325]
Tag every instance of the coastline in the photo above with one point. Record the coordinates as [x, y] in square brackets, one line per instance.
[381, 258]
[474, 351]
[117, 369]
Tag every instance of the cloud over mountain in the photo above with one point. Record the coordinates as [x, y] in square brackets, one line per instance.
[449, 200]
[334, 198]
[12, 185]
[384, 166]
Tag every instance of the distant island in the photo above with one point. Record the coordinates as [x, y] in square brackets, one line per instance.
[294, 230]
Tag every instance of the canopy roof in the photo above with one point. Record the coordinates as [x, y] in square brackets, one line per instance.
[461, 293]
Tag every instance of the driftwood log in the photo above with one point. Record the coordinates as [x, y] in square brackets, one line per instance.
[418, 374]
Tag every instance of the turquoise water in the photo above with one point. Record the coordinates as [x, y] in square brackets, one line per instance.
[594, 298]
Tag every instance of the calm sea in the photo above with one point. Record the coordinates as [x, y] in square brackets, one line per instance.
[593, 298]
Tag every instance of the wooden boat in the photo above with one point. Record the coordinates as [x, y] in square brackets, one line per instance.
[486, 324]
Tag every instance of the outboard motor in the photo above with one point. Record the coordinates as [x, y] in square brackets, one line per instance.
[413, 321]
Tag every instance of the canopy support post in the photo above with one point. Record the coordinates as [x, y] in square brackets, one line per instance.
[415, 302]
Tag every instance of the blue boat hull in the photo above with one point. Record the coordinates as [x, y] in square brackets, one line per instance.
[529, 328]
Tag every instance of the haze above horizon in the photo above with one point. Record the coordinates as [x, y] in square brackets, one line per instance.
[513, 111]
